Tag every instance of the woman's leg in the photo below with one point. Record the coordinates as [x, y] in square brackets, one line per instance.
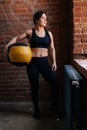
[52, 78]
[33, 76]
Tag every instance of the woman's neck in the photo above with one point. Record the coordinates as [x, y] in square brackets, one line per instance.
[39, 29]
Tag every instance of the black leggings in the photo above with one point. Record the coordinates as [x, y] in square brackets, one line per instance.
[41, 66]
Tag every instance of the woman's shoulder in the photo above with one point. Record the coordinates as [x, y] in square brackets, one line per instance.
[29, 31]
[50, 33]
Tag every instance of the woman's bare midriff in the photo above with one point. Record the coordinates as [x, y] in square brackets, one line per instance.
[39, 52]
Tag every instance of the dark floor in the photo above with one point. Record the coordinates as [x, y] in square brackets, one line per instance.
[18, 116]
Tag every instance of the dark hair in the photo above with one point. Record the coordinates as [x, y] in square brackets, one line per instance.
[38, 15]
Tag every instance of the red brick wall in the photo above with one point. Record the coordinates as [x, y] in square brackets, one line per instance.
[80, 43]
[80, 26]
[16, 17]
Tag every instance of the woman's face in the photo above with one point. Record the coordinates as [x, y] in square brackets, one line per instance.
[42, 21]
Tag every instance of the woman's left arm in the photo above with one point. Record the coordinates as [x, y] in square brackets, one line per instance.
[52, 53]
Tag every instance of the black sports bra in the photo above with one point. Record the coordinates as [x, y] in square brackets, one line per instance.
[40, 42]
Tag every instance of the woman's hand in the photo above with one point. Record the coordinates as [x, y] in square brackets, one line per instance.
[54, 67]
[6, 50]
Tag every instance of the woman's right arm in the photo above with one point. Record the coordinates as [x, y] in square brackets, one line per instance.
[18, 38]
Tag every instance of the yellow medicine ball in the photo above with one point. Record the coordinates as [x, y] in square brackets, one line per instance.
[19, 54]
